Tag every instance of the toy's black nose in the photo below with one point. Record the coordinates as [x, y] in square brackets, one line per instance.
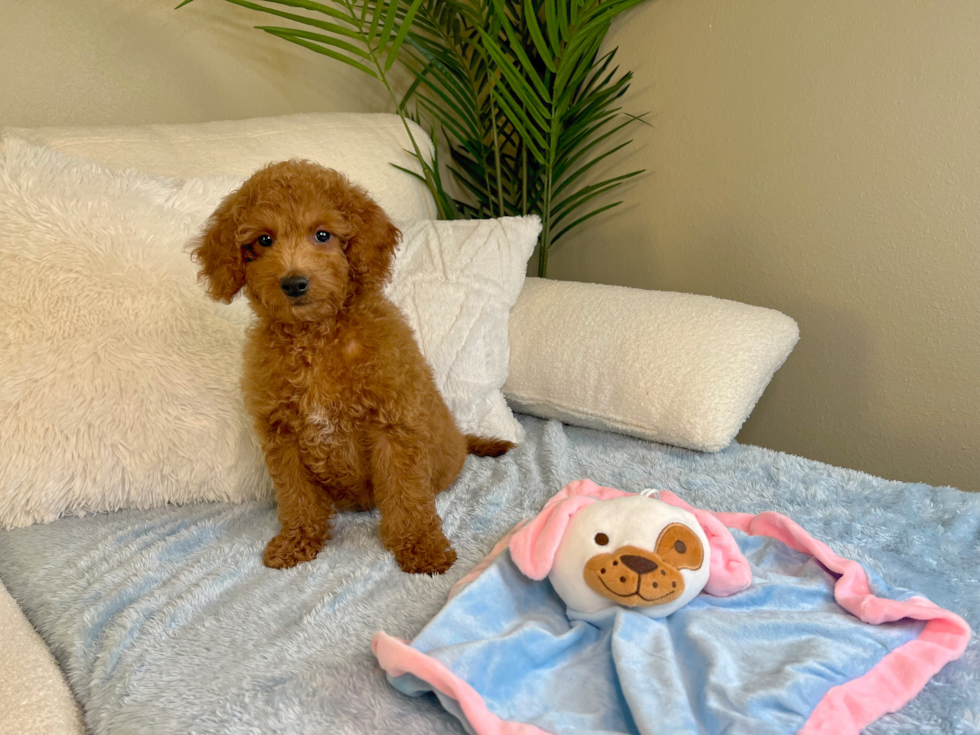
[638, 564]
[294, 286]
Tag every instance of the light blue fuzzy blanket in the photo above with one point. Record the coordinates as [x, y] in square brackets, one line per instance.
[166, 621]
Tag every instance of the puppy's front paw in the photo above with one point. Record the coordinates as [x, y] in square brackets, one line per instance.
[429, 554]
[290, 548]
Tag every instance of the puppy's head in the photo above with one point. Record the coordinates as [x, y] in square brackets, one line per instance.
[300, 239]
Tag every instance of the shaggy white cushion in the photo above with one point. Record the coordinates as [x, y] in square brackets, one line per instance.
[119, 378]
[669, 367]
[456, 282]
[361, 146]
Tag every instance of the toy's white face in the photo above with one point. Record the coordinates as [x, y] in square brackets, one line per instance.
[637, 552]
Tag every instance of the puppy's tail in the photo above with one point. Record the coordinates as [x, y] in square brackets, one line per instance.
[483, 447]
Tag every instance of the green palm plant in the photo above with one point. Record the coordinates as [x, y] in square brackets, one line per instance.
[516, 87]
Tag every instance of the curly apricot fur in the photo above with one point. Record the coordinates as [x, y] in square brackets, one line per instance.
[344, 404]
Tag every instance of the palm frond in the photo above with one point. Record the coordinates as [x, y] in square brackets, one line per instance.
[517, 89]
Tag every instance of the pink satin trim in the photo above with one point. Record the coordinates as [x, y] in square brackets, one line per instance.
[900, 675]
[397, 657]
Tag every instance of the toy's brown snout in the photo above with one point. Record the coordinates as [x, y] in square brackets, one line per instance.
[635, 577]
[639, 564]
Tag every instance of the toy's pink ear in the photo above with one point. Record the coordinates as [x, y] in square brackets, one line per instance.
[585, 487]
[730, 571]
[533, 548]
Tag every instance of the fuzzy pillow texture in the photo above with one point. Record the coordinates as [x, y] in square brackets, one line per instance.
[120, 379]
[675, 368]
[362, 146]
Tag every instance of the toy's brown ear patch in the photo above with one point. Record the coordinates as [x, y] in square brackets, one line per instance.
[680, 547]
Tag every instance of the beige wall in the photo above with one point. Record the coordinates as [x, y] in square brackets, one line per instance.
[127, 62]
[820, 158]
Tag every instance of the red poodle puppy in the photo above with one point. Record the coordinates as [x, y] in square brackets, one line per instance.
[345, 405]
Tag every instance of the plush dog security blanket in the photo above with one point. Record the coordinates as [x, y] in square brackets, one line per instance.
[789, 638]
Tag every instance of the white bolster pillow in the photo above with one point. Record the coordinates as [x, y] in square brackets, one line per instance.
[669, 367]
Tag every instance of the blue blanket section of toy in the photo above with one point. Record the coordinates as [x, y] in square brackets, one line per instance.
[756, 663]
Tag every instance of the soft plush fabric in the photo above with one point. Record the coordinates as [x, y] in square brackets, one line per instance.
[801, 650]
[669, 367]
[584, 523]
[120, 379]
[34, 696]
[359, 145]
[166, 621]
[456, 282]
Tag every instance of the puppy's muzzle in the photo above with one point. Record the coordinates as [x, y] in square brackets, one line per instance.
[294, 286]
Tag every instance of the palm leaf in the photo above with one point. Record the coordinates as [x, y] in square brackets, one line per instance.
[584, 195]
[516, 88]
[292, 38]
[291, 33]
[317, 7]
[587, 217]
[531, 18]
[390, 17]
[375, 21]
[323, 25]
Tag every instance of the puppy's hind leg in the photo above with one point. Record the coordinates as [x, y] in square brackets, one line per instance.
[305, 509]
[410, 527]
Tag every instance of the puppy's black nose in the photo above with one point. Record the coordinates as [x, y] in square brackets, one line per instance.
[638, 564]
[294, 286]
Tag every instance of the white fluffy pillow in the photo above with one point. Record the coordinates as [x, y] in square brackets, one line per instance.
[456, 282]
[119, 385]
[362, 146]
[119, 378]
[669, 367]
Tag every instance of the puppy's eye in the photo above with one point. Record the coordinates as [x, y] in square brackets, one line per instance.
[265, 241]
[601, 539]
[323, 236]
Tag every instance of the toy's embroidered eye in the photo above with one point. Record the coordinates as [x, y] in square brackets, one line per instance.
[601, 539]
[265, 241]
[323, 236]
[680, 547]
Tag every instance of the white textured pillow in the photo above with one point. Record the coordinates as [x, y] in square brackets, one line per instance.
[456, 282]
[363, 146]
[669, 367]
[120, 379]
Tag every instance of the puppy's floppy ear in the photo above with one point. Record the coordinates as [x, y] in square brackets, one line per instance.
[220, 257]
[371, 246]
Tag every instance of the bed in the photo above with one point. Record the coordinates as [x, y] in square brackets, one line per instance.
[136, 514]
[165, 620]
